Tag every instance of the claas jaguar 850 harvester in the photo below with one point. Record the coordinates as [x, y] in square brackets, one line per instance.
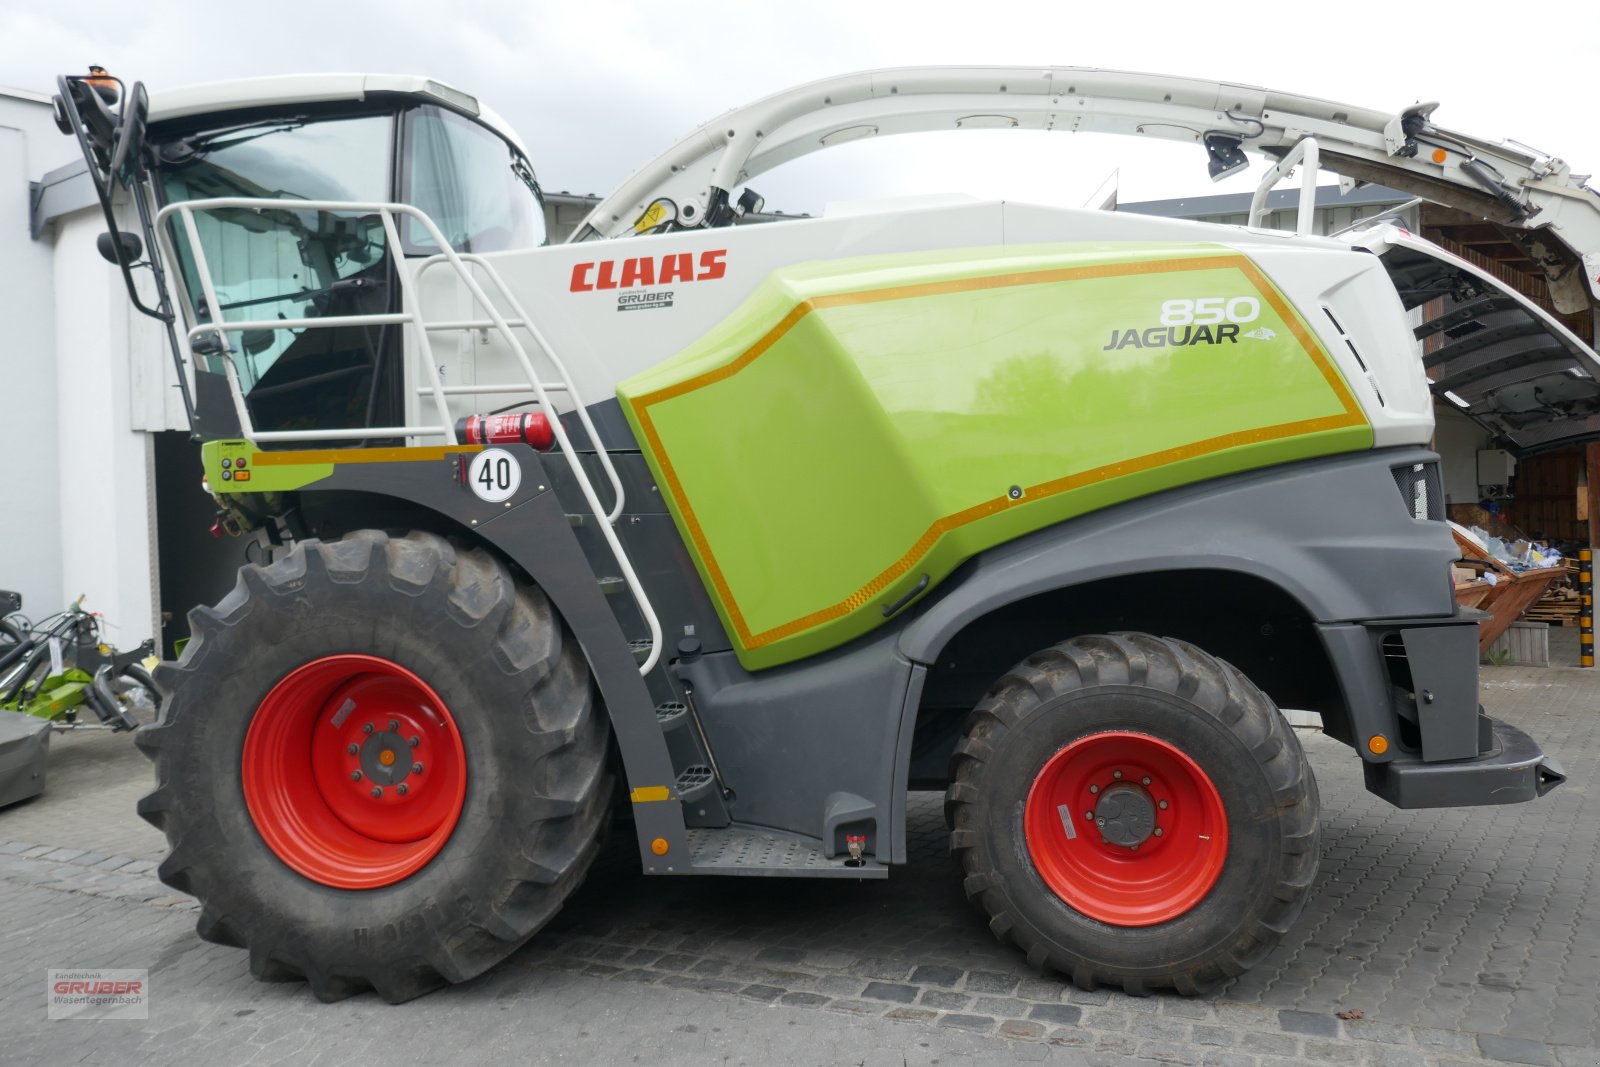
[736, 534]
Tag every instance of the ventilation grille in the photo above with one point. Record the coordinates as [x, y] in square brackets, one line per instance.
[1421, 489]
[1372, 379]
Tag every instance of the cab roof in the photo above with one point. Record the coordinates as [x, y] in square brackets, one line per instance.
[290, 89]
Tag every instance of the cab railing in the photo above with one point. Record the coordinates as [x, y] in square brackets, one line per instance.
[408, 274]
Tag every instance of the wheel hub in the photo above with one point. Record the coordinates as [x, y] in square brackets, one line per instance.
[1125, 816]
[384, 759]
[354, 771]
[1126, 828]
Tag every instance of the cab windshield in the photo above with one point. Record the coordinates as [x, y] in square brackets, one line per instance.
[283, 265]
[473, 185]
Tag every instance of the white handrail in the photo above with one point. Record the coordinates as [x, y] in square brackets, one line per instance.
[411, 314]
[1304, 151]
[494, 390]
[607, 529]
[578, 407]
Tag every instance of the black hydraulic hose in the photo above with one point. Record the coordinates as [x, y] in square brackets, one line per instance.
[105, 703]
[100, 700]
[1492, 183]
[15, 653]
[41, 649]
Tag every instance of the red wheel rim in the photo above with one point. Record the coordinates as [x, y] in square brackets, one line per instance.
[1126, 829]
[354, 772]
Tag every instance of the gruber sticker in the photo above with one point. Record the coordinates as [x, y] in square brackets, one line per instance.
[494, 475]
[655, 298]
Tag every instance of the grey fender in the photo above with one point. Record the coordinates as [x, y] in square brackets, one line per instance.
[1334, 533]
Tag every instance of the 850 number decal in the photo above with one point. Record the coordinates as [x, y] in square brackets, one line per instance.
[1209, 310]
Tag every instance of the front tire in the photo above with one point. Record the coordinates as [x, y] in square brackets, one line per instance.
[363, 869]
[1132, 811]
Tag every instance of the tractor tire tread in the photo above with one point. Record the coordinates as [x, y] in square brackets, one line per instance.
[1176, 669]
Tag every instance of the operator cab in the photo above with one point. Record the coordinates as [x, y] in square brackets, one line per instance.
[359, 138]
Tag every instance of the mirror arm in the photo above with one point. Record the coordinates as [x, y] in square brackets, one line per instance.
[104, 185]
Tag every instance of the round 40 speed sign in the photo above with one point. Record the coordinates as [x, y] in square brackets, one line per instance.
[494, 475]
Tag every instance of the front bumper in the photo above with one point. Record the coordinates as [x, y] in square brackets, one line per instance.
[1513, 770]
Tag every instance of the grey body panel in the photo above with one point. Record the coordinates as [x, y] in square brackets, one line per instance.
[796, 740]
[1437, 694]
[1333, 533]
[655, 548]
[1440, 688]
[24, 752]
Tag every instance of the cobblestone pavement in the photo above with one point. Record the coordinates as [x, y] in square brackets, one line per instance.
[1431, 938]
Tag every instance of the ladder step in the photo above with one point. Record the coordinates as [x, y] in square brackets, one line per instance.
[611, 586]
[575, 520]
[641, 650]
[671, 714]
[695, 782]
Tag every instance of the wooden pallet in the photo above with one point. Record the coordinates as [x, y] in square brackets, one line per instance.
[1557, 611]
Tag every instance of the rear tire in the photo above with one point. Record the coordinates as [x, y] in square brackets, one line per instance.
[499, 846]
[1103, 726]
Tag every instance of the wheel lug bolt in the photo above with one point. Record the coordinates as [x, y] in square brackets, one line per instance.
[1099, 822]
[402, 789]
[1088, 816]
[355, 776]
[1093, 789]
[415, 741]
[1162, 805]
[1158, 829]
[394, 726]
[1145, 780]
[367, 728]
[353, 749]
[1116, 774]
[416, 768]
[377, 790]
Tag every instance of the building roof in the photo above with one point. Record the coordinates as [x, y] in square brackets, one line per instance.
[24, 94]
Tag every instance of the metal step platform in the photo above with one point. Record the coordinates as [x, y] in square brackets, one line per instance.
[757, 851]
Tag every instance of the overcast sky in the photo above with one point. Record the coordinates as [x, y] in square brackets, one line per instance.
[598, 87]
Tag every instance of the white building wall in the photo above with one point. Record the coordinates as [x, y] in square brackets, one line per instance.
[75, 476]
[1458, 440]
[30, 549]
[106, 465]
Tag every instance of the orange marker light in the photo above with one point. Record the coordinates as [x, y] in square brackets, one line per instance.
[1439, 155]
[659, 846]
[1377, 744]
